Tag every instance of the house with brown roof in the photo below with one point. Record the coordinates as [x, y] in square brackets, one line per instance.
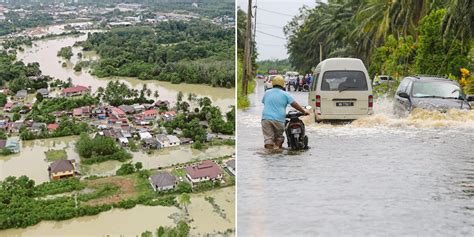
[203, 171]
[53, 126]
[62, 169]
[117, 113]
[75, 91]
[163, 181]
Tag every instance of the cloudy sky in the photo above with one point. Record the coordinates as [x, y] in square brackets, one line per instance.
[272, 16]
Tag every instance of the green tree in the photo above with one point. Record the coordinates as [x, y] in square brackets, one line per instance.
[184, 200]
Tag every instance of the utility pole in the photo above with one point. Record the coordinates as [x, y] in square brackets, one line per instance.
[255, 22]
[320, 51]
[247, 51]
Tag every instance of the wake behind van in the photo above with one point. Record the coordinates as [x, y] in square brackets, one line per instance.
[341, 90]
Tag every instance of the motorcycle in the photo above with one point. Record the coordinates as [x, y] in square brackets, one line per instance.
[295, 130]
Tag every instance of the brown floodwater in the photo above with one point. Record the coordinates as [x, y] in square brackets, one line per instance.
[132, 222]
[45, 52]
[31, 161]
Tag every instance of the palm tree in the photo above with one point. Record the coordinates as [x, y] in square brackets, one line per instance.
[156, 94]
[459, 20]
[184, 200]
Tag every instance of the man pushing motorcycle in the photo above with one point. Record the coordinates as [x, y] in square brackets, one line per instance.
[275, 101]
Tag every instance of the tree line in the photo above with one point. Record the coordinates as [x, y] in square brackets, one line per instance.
[175, 51]
[396, 38]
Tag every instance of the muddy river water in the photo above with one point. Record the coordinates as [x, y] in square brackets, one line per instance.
[45, 52]
[132, 222]
[380, 176]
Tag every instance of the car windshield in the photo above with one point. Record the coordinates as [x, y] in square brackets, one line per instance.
[344, 81]
[436, 89]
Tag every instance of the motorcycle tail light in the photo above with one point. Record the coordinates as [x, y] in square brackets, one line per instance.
[295, 126]
[318, 101]
[371, 101]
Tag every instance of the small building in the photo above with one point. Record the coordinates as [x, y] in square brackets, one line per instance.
[168, 115]
[21, 94]
[167, 141]
[204, 171]
[123, 141]
[127, 109]
[13, 144]
[62, 169]
[138, 107]
[163, 181]
[144, 135]
[150, 114]
[117, 113]
[37, 127]
[44, 92]
[53, 126]
[150, 143]
[77, 112]
[162, 103]
[8, 106]
[75, 91]
[230, 165]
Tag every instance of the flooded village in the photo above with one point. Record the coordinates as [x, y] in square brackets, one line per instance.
[114, 149]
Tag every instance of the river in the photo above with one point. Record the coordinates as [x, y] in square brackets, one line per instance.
[31, 160]
[45, 52]
[132, 222]
[380, 176]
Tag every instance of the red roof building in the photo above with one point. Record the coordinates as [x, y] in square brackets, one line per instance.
[76, 90]
[118, 113]
[206, 170]
[52, 127]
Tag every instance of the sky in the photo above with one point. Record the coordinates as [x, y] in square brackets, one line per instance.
[269, 22]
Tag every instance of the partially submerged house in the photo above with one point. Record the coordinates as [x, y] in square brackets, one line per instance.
[21, 94]
[62, 169]
[75, 91]
[204, 171]
[230, 165]
[163, 181]
[167, 140]
[13, 144]
[44, 92]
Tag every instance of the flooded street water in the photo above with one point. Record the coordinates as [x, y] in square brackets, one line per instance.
[132, 222]
[379, 175]
[45, 52]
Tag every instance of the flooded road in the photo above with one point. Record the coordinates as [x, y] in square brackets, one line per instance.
[377, 176]
[132, 222]
[45, 52]
[31, 161]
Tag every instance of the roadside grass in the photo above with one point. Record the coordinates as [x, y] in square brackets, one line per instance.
[54, 155]
[243, 101]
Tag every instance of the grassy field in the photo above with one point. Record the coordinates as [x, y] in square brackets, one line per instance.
[54, 155]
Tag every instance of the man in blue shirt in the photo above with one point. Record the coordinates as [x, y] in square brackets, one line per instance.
[275, 101]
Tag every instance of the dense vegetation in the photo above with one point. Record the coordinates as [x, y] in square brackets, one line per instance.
[181, 230]
[191, 52]
[281, 65]
[65, 52]
[99, 149]
[242, 100]
[397, 38]
[16, 73]
[118, 93]
[14, 22]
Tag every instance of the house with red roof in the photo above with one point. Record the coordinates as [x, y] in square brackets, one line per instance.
[117, 113]
[150, 114]
[53, 126]
[204, 171]
[8, 106]
[75, 91]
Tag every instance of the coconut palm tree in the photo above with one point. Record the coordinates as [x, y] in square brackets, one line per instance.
[184, 200]
[459, 20]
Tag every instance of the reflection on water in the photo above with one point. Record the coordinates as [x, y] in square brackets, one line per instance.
[379, 176]
[132, 222]
[45, 51]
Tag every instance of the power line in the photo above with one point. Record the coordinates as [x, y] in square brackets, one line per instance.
[275, 36]
[264, 24]
[274, 12]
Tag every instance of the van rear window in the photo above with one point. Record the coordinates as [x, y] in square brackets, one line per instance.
[344, 81]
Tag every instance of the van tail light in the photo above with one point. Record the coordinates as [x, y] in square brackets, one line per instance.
[318, 101]
[371, 101]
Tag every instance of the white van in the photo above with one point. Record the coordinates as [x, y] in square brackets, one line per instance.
[341, 90]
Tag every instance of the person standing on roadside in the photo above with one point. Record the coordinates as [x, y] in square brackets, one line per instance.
[275, 102]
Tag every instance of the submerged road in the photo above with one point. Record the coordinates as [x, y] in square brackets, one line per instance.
[379, 176]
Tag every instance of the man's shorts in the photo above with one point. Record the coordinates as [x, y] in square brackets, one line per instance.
[273, 131]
